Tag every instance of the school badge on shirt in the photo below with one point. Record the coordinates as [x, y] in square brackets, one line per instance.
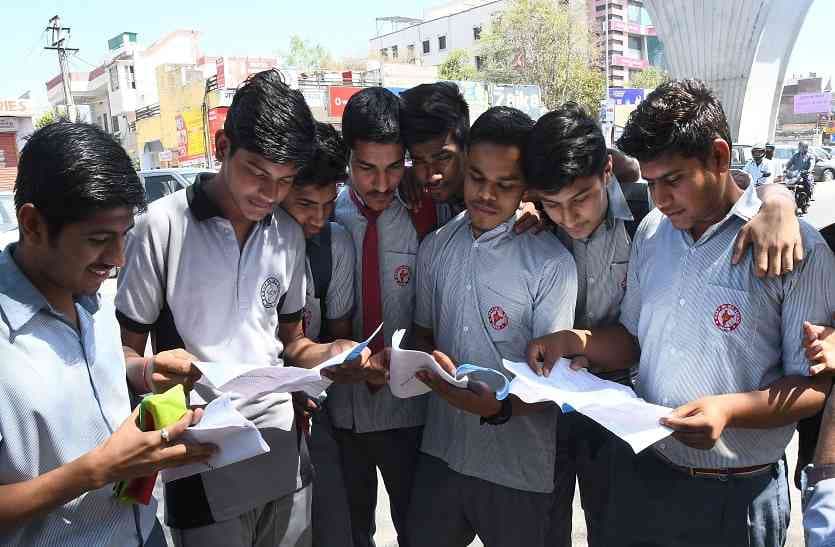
[727, 317]
[269, 292]
[498, 318]
[402, 275]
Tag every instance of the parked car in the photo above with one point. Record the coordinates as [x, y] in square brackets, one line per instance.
[824, 170]
[8, 220]
[161, 182]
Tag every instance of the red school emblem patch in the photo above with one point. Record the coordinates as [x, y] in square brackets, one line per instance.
[498, 318]
[402, 275]
[727, 317]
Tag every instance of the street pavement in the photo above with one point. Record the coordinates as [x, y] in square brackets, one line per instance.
[821, 213]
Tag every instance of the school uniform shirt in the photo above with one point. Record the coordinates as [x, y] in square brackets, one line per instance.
[484, 299]
[602, 262]
[62, 394]
[339, 299]
[355, 406]
[187, 280]
[707, 327]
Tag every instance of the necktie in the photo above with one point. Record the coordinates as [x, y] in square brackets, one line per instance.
[372, 307]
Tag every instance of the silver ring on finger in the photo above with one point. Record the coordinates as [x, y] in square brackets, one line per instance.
[166, 438]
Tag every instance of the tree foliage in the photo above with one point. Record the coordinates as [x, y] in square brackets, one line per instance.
[457, 66]
[305, 55]
[48, 117]
[649, 78]
[549, 43]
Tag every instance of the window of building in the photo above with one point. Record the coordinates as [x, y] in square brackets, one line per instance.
[477, 33]
[394, 52]
[441, 43]
[131, 76]
[479, 62]
[635, 42]
[614, 17]
[384, 53]
[426, 47]
[634, 12]
[114, 78]
[410, 53]
[114, 122]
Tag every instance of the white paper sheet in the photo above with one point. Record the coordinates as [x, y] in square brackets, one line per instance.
[403, 365]
[252, 381]
[614, 406]
[236, 437]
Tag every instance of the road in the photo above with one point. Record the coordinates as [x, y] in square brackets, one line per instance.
[821, 213]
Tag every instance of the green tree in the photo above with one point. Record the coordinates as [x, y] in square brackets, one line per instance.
[307, 56]
[549, 43]
[649, 78]
[457, 66]
[50, 116]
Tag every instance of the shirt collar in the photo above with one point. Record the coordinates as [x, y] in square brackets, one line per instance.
[201, 204]
[20, 301]
[618, 206]
[745, 208]
[497, 233]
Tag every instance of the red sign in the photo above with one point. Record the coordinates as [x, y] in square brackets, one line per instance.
[628, 62]
[221, 74]
[217, 117]
[337, 99]
[182, 136]
[632, 28]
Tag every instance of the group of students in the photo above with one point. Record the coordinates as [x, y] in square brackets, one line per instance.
[268, 262]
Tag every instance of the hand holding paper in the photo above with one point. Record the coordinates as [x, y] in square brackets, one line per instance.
[405, 363]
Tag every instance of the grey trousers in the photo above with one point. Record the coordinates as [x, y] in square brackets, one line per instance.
[284, 522]
[331, 514]
[652, 504]
[449, 509]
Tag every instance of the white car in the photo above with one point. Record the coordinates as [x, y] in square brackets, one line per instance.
[161, 182]
[8, 220]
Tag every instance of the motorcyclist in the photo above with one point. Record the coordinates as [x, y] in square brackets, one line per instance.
[802, 160]
[759, 167]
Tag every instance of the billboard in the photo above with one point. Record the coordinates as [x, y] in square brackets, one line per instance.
[813, 103]
[338, 97]
[526, 98]
[626, 95]
[190, 142]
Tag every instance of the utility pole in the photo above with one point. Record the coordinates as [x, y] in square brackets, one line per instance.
[58, 35]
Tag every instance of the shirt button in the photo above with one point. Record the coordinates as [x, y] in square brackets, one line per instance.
[475, 245]
[681, 302]
[466, 329]
[662, 446]
[591, 280]
[469, 286]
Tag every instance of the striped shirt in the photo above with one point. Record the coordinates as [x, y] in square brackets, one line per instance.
[707, 327]
[354, 406]
[339, 298]
[484, 300]
[62, 393]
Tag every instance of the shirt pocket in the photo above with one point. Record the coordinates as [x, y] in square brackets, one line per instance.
[506, 316]
[729, 317]
[398, 270]
[614, 291]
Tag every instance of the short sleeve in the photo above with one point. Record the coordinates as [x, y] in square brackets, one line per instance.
[339, 301]
[555, 304]
[423, 289]
[295, 297]
[809, 296]
[630, 308]
[140, 293]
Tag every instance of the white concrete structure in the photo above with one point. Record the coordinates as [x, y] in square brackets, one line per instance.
[741, 48]
[456, 25]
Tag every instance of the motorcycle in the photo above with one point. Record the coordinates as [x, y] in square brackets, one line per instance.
[801, 185]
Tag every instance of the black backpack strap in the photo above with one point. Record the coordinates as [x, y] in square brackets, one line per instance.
[321, 266]
[637, 198]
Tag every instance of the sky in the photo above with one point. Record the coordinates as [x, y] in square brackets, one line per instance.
[262, 28]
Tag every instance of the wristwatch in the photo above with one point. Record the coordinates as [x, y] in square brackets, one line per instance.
[817, 473]
[502, 416]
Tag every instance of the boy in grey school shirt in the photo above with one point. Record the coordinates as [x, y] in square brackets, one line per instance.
[570, 171]
[483, 292]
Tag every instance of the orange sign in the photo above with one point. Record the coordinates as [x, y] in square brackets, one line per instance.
[338, 98]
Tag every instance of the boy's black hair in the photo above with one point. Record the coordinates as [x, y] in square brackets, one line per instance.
[372, 115]
[71, 171]
[681, 117]
[502, 125]
[564, 145]
[431, 111]
[270, 119]
[330, 159]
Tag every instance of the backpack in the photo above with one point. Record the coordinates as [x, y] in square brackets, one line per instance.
[637, 198]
